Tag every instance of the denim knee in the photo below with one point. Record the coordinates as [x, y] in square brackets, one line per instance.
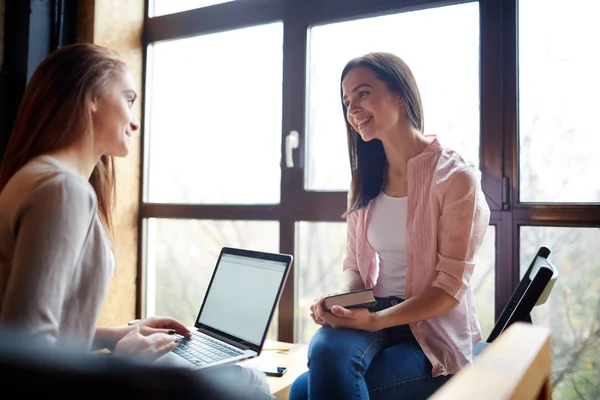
[342, 348]
[324, 345]
[299, 388]
[332, 345]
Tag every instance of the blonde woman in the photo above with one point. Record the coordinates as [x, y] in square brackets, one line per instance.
[57, 188]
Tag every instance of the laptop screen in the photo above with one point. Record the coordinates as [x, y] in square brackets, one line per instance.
[242, 295]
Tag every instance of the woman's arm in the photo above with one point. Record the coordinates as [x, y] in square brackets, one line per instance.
[430, 303]
[50, 231]
[427, 304]
[107, 337]
[351, 280]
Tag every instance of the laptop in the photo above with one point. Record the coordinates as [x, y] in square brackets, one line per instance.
[237, 310]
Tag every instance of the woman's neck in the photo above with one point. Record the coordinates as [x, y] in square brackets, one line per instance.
[403, 146]
[77, 158]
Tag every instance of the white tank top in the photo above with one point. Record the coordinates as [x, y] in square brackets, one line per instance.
[386, 234]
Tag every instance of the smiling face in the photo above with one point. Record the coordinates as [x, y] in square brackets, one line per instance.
[113, 118]
[371, 108]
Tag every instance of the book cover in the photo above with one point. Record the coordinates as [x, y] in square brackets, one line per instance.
[362, 298]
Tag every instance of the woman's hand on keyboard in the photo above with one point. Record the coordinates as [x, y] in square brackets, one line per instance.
[148, 347]
[151, 325]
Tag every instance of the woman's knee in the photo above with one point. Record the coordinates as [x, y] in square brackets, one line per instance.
[340, 346]
[299, 388]
[328, 342]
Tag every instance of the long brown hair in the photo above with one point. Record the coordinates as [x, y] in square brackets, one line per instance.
[55, 113]
[367, 159]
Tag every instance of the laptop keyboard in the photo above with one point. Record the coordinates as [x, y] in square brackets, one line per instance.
[202, 349]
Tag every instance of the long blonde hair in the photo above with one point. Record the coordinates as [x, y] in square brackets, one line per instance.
[55, 113]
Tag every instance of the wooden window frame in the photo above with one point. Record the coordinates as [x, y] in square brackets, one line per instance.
[498, 129]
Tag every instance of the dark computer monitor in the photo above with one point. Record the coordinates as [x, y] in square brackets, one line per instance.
[533, 289]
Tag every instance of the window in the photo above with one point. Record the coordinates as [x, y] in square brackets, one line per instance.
[449, 90]
[571, 311]
[320, 252]
[218, 91]
[182, 255]
[558, 101]
[164, 7]
[228, 83]
[558, 203]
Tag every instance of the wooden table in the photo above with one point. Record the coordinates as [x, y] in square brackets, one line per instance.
[282, 354]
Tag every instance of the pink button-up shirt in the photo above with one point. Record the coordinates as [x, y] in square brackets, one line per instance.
[447, 219]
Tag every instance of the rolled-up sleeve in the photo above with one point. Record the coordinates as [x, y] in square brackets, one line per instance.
[462, 226]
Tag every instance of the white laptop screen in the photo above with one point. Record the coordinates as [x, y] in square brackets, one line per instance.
[242, 295]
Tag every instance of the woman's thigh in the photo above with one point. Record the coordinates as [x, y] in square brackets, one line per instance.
[346, 348]
[337, 362]
[402, 371]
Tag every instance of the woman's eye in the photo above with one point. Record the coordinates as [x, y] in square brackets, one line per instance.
[362, 94]
[130, 101]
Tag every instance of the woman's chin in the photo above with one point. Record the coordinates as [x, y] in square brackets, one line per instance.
[367, 136]
[119, 153]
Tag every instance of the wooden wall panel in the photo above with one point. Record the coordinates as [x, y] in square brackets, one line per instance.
[118, 24]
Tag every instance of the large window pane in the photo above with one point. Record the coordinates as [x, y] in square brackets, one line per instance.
[182, 255]
[440, 45]
[215, 118]
[321, 249]
[559, 60]
[163, 7]
[572, 312]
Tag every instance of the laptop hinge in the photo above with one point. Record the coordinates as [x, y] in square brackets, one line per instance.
[224, 339]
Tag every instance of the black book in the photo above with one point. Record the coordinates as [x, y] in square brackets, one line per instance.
[362, 298]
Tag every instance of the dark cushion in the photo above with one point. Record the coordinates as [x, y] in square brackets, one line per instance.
[32, 368]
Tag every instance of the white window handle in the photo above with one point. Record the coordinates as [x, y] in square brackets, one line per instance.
[292, 140]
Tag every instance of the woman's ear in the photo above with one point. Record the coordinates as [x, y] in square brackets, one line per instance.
[94, 104]
[400, 101]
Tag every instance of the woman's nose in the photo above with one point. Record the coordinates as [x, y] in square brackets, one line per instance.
[134, 125]
[354, 108]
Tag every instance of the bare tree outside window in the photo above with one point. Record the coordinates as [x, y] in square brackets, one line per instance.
[182, 255]
[558, 162]
[572, 311]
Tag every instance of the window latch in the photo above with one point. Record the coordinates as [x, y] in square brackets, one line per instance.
[292, 140]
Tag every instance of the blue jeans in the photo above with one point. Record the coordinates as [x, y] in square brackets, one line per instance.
[352, 364]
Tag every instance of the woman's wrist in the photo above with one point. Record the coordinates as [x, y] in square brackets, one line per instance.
[379, 321]
[387, 318]
[109, 336]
